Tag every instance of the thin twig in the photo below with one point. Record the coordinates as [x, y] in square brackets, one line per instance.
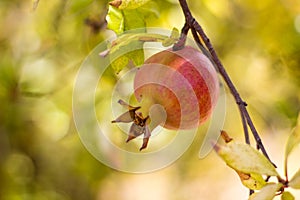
[245, 127]
[181, 42]
[205, 51]
[200, 45]
[246, 119]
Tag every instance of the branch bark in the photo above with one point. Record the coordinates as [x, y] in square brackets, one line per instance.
[198, 33]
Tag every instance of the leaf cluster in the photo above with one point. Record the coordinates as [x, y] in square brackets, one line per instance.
[254, 169]
[128, 20]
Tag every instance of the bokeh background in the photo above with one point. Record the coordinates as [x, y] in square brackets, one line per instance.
[41, 49]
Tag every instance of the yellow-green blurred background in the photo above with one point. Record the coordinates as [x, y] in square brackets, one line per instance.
[41, 49]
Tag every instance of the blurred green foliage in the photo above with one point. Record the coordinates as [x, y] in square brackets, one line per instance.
[41, 156]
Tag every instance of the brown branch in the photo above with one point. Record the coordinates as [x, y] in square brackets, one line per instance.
[181, 42]
[245, 127]
[198, 31]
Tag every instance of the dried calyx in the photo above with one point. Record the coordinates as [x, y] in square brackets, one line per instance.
[139, 125]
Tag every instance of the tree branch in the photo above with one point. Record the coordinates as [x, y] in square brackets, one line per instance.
[198, 31]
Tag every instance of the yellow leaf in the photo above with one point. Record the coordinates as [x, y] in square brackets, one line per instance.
[252, 181]
[246, 159]
[268, 192]
[287, 196]
[295, 181]
[293, 141]
[115, 20]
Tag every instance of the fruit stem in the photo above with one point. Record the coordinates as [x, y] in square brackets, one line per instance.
[182, 39]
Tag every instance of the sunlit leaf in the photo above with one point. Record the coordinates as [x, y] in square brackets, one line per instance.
[287, 196]
[268, 192]
[150, 9]
[294, 138]
[125, 15]
[175, 33]
[125, 43]
[295, 181]
[136, 57]
[246, 159]
[293, 141]
[133, 19]
[115, 20]
[128, 4]
[129, 41]
[120, 19]
[129, 47]
[125, 50]
[173, 38]
[252, 181]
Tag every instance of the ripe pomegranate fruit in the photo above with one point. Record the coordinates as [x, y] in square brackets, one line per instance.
[185, 85]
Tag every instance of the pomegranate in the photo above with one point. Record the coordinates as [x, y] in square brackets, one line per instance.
[183, 83]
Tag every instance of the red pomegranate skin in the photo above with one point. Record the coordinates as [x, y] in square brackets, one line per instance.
[183, 82]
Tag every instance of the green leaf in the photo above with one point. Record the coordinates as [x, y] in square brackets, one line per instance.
[175, 33]
[287, 196]
[115, 20]
[136, 56]
[124, 50]
[150, 9]
[125, 15]
[268, 192]
[173, 38]
[128, 4]
[119, 63]
[252, 181]
[246, 159]
[123, 20]
[125, 43]
[293, 141]
[129, 47]
[133, 19]
[134, 40]
[131, 16]
[294, 138]
[295, 181]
